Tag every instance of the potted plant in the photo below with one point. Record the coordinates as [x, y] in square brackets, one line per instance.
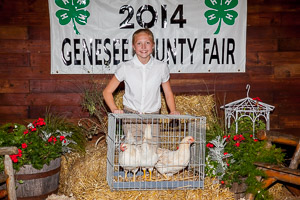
[40, 144]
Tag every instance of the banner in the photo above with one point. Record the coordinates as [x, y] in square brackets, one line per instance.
[194, 36]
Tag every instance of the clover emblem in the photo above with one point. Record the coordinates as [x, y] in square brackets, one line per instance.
[72, 10]
[221, 11]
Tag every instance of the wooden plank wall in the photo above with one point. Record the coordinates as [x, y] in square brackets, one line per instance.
[27, 88]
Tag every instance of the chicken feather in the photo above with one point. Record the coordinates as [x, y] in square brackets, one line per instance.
[149, 156]
[171, 162]
[130, 158]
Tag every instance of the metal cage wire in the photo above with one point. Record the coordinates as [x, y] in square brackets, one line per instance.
[172, 129]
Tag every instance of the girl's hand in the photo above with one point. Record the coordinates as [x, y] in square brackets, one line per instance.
[175, 112]
[118, 112]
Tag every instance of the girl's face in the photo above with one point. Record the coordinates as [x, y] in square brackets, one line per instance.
[143, 46]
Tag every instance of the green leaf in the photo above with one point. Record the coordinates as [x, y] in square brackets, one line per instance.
[229, 4]
[63, 16]
[230, 17]
[81, 17]
[64, 4]
[215, 4]
[212, 17]
[79, 4]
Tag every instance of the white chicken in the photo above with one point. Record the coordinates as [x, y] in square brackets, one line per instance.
[171, 162]
[130, 158]
[149, 156]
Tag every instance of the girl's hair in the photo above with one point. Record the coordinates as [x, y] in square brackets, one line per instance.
[147, 31]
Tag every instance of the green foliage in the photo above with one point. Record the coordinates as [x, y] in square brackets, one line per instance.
[215, 126]
[41, 141]
[93, 102]
[245, 154]
[244, 151]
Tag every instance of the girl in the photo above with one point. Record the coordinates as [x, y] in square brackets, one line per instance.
[143, 75]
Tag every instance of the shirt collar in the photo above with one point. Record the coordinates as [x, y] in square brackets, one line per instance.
[138, 62]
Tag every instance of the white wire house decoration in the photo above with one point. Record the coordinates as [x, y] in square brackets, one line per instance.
[247, 107]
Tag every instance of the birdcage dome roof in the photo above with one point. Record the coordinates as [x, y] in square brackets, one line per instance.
[248, 104]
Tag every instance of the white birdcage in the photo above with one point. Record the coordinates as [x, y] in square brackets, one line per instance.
[185, 171]
[247, 107]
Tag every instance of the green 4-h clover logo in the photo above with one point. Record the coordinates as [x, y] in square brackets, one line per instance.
[72, 10]
[221, 11]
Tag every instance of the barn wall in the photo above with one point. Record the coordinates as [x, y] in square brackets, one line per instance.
[272, 68]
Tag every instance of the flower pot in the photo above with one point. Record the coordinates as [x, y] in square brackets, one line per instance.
[38, 184]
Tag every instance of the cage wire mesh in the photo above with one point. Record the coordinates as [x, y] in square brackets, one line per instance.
[170, 148]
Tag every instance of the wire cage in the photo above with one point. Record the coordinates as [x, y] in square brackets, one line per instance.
[155, 152]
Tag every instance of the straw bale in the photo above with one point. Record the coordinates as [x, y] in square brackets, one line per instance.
[280, 192]
[196, 105]
[59, 197]
[84, 177]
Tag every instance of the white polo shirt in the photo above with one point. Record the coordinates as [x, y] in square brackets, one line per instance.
[142, 83]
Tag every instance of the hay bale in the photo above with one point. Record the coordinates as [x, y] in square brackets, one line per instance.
[84, 177]
[59, 197]
[196, 105]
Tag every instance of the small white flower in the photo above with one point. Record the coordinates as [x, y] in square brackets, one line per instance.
[30, 125]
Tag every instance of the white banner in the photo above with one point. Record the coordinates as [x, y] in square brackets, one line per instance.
[194, 36]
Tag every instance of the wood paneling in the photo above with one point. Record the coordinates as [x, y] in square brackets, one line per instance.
[14, 86]
[13, 32]
[14, 59]
[24, 46]
[289, 44]
[67, 111]
[13, 112]
[27, 89]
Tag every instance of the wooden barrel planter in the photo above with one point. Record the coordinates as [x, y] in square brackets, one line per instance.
[38, 184]
[239, 190]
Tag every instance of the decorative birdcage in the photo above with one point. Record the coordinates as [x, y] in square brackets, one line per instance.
[252, 108]
[162, 135]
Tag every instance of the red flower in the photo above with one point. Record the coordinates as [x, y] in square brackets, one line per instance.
[255, 140]
[222, 182]
[25, 132]
[251, 135]
[24, 145]
[225, 153]
[209, 145]
[235, 137]
[14, 158]
[20, 153]
[237, 144]
[52, 139]
[61, 138]
[33, 129]
[257, 99]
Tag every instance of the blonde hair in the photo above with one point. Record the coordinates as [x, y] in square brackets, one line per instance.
[145, 30]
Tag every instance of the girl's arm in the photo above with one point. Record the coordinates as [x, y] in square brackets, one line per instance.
[170, 98]
[108, 95]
